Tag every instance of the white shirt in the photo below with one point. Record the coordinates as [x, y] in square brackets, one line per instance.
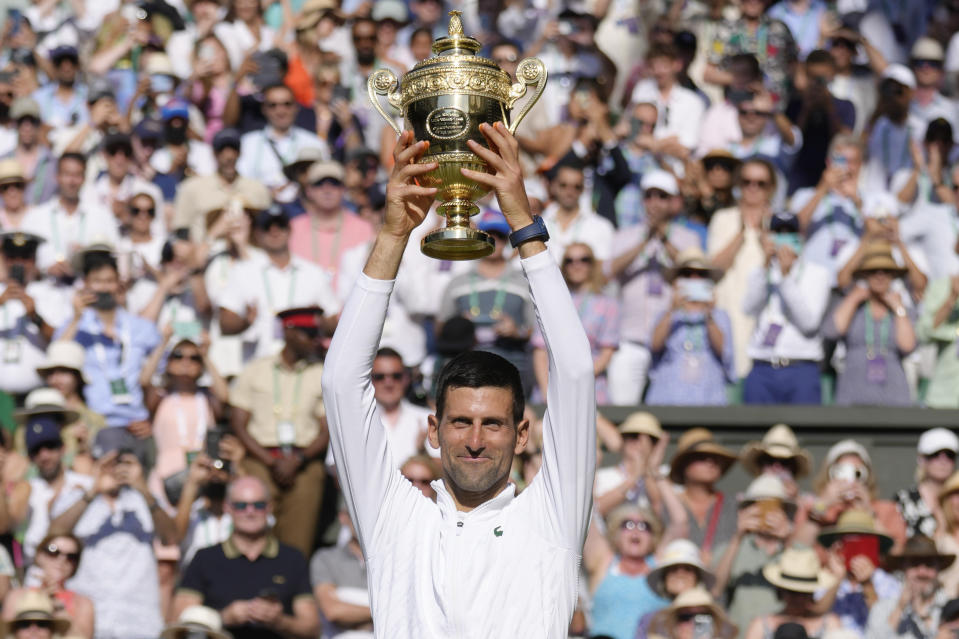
[199, 158]
[271, 289]
[65, 233]
[46, 504]
[680, 114]
[795, 303]
[431, 567]
[406, 433]
[836, 222]
[22, 348]
[921, 115]
[587, 227]
[259, 161]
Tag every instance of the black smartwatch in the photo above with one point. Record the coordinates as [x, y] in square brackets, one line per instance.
[535, 231]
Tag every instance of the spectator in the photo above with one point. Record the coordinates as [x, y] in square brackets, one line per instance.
[568, 220]
[140, 249]
[116, 343]
[116, 521]
[804, 19]
[939, 324]
[420, 471]
[847, 83]
[763, 527]
[928, 103]
[598, 312]
[888, 131]
[328, 229]
[698, 464]
[633, 480]
[32, 308]
[855, 544]
[928, 180]
[919, 505]
[236, 577]
[787, 297]
[712, 183]
[32, 151]
[797, 575]
[278, 415]
[37, 501]
[692, 342]
[767, 133]
[947, 540]
[63, 100]
[33, 618]
[405, 423]
[13, 186]
[200, 622]
[56, 561]
[680, 619]
[779, 455]
[917, 611]
[640, 257]
[114, 188]
[679, 569]
[339, 583]
[679, 109]
[845, 482]
[735, 247]
[181, 156]
[873, 372]
[720, 127]
[210, 89]
[296, 172]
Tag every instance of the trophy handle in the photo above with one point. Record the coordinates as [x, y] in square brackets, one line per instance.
[383, 82]
[529, 71]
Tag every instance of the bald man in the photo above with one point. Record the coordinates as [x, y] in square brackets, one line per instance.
[260, 586]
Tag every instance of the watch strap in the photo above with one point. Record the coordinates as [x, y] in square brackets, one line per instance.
[535, 231]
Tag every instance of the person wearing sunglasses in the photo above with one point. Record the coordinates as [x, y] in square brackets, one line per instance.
[58, 557]
[568, 219]
[405, 422]
[927, 61]
[693, 614]
[935, 463]
[34, 617]
[13, 188]
[114, 189]
[765, 131]
[889, 132]
[140, 249]
[258, 584]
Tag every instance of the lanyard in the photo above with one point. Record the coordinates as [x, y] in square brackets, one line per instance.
[871, 333]
[498, 301]
[126, 344]
[200, 406]
[278, 397]
[334, 247]
[269, 290]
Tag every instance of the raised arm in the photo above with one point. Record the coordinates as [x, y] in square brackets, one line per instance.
[359, 442]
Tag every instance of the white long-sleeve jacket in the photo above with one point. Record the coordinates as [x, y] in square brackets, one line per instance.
[509, 567]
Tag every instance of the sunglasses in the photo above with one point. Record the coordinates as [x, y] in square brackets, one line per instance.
[585, 259]
[29, 623]
[932, 64]
[762, 184]
[286, 104]
[29, 118]
[692, 272]
[310, 331]
[656, 194]
[725, 165]
[12, 185]
[396, 377]
[243, 505]
[686, 617]
[764, 114]
[118, 151]
[55, 551]
[136, 210]
[328, 181]
[364, 38]
[948, 453]
[196, 357]
[633, 524]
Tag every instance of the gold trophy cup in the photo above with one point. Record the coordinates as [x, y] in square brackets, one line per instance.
[444, 99]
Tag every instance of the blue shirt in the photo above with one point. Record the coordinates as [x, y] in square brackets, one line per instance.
[804, 28]
[109, 360]
[62, 114]
[687, 370]
[621, 601]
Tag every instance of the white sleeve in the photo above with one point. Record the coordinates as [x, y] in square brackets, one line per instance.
[757, 292]
[231, 296]
[363, 459]
[569, 424]
[805, 295]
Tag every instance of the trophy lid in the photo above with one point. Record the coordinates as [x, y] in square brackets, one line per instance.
[457, 41]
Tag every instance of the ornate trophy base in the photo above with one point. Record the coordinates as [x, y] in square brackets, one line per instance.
[458, 241]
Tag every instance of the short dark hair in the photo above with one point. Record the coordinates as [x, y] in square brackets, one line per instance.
[662, 50]
[820, 56]
[72, 155]
[939, 130]
[386, 351]
[478, 369]
[567, 162]
[95, 260]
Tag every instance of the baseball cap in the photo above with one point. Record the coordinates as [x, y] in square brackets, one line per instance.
[42, 429]
[936, 439]
[64, 51]
[901, 74]
[490, 220]
[322, 170]
[273, 215]
[148, 129]
[659, 179]
[175, 109]
[845, 447]
[390, 10]
[226, 138]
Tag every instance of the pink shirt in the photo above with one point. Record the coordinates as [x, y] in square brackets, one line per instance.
[326, 248]
[179, 427]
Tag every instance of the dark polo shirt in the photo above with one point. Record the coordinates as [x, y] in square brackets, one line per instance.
[221, 575]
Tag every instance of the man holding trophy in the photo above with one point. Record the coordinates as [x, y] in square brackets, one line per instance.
[436, 569]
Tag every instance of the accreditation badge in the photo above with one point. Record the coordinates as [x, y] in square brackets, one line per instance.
[119, 392]
[285, 433]
[12, 350]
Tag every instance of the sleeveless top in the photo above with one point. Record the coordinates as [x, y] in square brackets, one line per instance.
[621, 600]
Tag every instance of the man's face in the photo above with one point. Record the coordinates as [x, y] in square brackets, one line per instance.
[32, 629]
[922, 576]
[118, 162]
[279, 107]
[274, 238]
[664, 70]
[928, 73]
[752, 118]
[70, 179]
[103, 280]
[226, 161]
[477, 438]
[65, 71]
[657, 204]
[326, 194]
[364, 42]
[507, 57]
[249, 506]
[28, 130]
[306, 343]
[428, 11]
[820, 75]
[567, 186]
[389, 380]
[204, 10]
[12, 194]
[47, 458]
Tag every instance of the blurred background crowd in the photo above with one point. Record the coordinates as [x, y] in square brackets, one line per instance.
[751, 202]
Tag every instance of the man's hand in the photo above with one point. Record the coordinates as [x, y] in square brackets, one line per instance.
[82, 299]
[140, 429]
[285, 469]
[237, 613]
[748, 520]
[407, 203]
[265, 611]
[104, 479]
[506, 178]
[861, 569]
[15, 291]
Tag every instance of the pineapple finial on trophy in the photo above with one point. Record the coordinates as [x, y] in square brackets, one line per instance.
[456, 24]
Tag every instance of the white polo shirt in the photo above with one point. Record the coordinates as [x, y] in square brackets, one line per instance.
[680, 114]
[587, 227]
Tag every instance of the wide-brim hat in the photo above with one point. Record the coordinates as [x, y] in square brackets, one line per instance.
[693, 259]
[679, 552]
[699, 597]
[697, 441]
[878, 257]
[920, 547]
[854, 522]
[197, 619]
[642, 423]
[304, 158]
[779, 442]
[96, 247]
[767, 488]
[11, 171]
[45, 401]
[34, 605]
[64, 354]
[798, 570]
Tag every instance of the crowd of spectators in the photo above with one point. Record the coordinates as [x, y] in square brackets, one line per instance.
[750, 201]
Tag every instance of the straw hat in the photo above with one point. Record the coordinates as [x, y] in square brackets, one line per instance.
[693, 442]
[64, 353]
[779, 442]
[878, 256]
[97, 246]
[798, 570]
[45, 401]
[697, 597]
[35, 606]
[949, 487]
[854, 522]
[197, 619]
[679, 552]
[642, 423]
[11, 171]
[693, 258]
[304, 158]
[919, 547]
[765, 488]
